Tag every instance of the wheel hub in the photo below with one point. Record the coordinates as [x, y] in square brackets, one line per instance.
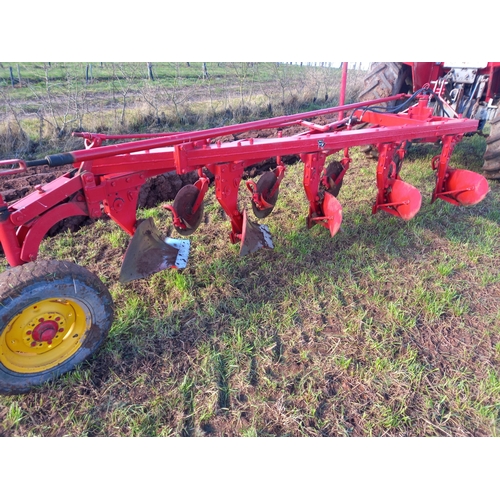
[45, 331]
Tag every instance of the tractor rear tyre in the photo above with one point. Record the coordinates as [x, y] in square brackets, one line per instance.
[491, 165]
[382, 80]
[54, 315]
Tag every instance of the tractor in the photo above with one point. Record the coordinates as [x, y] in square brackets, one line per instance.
[468, 89]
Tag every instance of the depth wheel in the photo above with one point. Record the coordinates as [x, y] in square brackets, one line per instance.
[55, 314]
[264, 186]
[491, 166]
[183, 206]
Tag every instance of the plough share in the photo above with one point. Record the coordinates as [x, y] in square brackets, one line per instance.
[56, 319]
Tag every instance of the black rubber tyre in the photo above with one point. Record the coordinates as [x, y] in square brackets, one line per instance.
[54, 315]
[491, 165]
[383, 80]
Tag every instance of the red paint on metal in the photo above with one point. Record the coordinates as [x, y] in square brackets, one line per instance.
[22, 167]
[313, 168]
[463, 187]
[39, 228]
[332, 210]
[227, 181]
[428, 72]
[45, 331]
[343, 85]
[404, 198]
[202, 185]
[394, 195]
[161, 142]
[36, 203]
[8, 238]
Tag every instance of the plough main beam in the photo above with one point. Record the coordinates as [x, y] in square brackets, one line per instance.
[96, 151]
[187, 157]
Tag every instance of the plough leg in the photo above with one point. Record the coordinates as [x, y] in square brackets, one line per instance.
[251, 236]
[455, 186]
[324, 208]
[394, 195]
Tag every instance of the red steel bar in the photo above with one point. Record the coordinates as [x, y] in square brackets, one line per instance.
[148, 144]
[185, 158]
[343, 85]
[8, 238]
[21, 169]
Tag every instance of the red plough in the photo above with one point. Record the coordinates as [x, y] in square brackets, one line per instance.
[41, 320]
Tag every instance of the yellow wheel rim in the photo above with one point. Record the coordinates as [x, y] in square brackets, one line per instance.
[43, 335]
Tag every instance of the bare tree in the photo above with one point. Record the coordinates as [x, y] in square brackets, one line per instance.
[123, 83]
[245, 75]
[14, 137]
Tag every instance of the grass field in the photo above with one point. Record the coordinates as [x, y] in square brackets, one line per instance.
[42, 103]
[390, 328]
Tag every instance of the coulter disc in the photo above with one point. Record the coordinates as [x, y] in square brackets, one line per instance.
[183, 205]
[333, 170]
[264, 187]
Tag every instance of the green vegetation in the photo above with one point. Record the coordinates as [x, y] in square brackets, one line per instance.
[42, 103]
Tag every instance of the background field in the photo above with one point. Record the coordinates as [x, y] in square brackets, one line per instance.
[41, 104]
[390, 328]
